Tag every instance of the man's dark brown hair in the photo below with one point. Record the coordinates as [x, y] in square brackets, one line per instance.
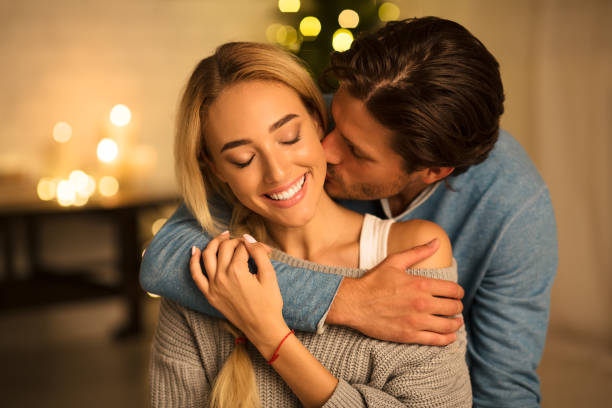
[432, 83]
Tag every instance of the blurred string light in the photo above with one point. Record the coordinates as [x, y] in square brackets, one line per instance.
[120, 115]
[66, 195]
[348, 19]
[388, 12]
[46, 188]
[289, 6]
[157, 224]
[108, 186]
[285, 35]
[310, 26]
[342, 40]
[107, 150]
[62, 132]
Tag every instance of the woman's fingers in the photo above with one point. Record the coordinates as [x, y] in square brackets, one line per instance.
[259, 252]
[198, 277]
[209, 255]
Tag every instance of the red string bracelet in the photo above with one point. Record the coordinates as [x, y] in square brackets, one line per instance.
[240, 340]
[275, 355]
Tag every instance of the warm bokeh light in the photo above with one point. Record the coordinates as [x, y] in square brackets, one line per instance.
[62, 132]
[153, 295]
[107, 150]
[310, 26]
[108, 186]
[348, 18]
[272, 30]
[80, 200]
[289, 6]
[66, 195]
[120, 115]
[46, 189]
[79, 180]
[342, 40]
[388, 12]
[157, 225]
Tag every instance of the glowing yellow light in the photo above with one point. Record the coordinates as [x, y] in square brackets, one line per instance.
[342, 40]
[310, 26]
[388, 12]
[120, 115]
[153, 295]
[65, 194]
[292, 35]
[157, 225]
[62, 132]
[348, 18]
[271, 32]
[46, 189]
[79, 180]
[289, 6]
[80, 200]
[108, 186]
[281, 35]
[107, 150]
[90, 188]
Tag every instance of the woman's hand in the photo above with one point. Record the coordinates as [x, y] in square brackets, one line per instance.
[252, 302]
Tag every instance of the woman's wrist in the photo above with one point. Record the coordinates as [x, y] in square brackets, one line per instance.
[268, 338]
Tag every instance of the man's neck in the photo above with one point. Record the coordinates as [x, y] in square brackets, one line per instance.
[399, 202]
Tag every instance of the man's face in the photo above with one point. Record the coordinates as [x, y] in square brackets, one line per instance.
[361, 165]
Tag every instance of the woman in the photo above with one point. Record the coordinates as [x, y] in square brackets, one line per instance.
[249, 130]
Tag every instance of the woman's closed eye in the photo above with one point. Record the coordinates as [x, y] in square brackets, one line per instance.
[243, 164]
[296, 139]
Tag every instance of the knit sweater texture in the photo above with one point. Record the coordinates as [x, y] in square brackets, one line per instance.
[189, 350]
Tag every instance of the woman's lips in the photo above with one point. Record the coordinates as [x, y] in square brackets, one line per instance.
[294, 199]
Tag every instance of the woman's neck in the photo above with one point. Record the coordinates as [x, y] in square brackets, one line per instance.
[331, 237]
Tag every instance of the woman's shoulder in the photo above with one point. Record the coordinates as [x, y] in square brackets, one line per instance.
[409, 234]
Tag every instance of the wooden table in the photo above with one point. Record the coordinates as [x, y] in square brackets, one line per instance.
[43, 285]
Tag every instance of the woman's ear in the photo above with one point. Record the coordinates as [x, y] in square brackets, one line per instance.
[211, 165]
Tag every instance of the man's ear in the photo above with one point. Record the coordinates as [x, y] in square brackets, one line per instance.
[433, 174]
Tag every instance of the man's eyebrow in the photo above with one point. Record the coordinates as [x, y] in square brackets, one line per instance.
[235, 143]
[281, 122]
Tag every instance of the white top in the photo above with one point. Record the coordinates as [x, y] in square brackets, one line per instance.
[373, 241]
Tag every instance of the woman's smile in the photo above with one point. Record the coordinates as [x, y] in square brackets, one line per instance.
[288, 196]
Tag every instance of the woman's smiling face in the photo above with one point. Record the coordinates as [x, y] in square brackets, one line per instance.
[266, 146]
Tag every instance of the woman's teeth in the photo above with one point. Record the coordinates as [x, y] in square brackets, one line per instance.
[287, 194]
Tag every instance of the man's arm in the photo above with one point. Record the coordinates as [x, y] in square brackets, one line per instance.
[509, 316]
[307, 294]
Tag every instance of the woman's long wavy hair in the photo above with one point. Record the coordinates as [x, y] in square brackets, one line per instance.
[230, 64]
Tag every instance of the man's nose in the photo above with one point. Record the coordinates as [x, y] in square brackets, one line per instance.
[331, 148]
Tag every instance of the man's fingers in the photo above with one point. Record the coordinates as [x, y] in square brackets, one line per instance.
[446, 307]
[409, 257]
[198, 277]
[444, 288]
[442, 325]
[432, 339]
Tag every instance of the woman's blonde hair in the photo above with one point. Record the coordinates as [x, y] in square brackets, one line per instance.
[230, 64]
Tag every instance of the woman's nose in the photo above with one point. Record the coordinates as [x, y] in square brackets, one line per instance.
[276, 167]
[330, 146]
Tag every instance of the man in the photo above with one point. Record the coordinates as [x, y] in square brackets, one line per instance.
[417, 134]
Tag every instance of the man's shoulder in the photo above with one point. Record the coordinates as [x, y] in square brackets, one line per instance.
[508, 174]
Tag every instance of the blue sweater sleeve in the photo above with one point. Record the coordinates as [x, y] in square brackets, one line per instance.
[510, 312]
[164, 271]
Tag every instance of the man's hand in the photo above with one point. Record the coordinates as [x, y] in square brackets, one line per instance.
[389, 304]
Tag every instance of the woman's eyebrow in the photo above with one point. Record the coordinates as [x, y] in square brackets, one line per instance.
[272, 128]
[282, 121]
[235, 143]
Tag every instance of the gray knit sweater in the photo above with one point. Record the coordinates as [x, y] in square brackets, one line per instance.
[189, 350]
